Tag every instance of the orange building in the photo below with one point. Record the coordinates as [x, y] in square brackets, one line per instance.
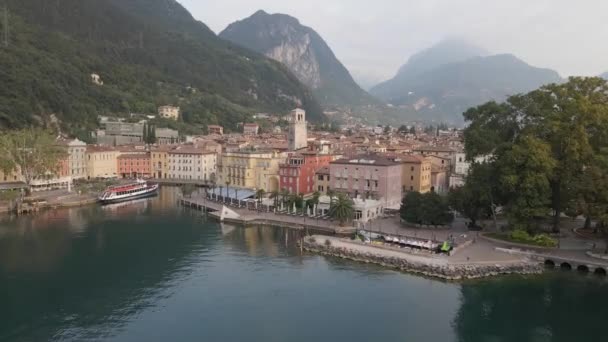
[134, 165]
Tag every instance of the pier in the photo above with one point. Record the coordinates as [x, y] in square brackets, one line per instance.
[245, 214]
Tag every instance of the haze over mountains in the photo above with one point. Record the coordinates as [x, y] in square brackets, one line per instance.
[445, 80]
[303, 51]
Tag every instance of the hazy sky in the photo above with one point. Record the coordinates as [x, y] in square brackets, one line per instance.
[373, 38]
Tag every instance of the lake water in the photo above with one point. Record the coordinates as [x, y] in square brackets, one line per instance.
[151, 271]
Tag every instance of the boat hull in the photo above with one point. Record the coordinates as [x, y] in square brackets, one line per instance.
[144, 194]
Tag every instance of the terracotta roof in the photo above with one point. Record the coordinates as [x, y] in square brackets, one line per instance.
[367, 160]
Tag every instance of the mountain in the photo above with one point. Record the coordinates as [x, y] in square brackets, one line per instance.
[444, 52]
[437, 88]
[303, 51]
[147, 53]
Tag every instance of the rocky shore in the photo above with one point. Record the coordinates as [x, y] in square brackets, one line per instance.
[427, 265]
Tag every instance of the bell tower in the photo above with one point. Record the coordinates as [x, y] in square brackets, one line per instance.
[298, 137]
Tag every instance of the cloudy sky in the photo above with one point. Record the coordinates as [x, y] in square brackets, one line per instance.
[373, 38]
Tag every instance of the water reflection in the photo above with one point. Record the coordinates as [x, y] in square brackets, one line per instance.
[556, 307]
[151, 271]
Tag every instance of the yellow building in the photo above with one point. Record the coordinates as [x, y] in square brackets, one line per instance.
[10, 178]
[416, 174]
[160, 162]
[251, 170]
[168, 112]
[101, 162]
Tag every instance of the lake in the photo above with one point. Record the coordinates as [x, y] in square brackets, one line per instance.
[152, 271]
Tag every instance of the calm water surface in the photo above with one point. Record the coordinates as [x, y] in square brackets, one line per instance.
[149, 271]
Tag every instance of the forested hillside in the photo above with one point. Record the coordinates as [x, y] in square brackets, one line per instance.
[147, 52]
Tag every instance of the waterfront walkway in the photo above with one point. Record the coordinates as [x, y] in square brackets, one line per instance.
[254, 216]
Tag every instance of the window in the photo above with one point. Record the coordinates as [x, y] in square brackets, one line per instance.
[320, 177]
[411, 177]
[412, 168]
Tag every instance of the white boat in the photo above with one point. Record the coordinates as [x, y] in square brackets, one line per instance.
[127, 192]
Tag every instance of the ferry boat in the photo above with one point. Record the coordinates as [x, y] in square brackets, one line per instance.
[126, 192]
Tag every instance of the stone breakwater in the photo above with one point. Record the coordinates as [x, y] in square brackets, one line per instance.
[426, 265]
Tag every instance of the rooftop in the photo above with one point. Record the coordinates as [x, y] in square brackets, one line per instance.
[367, 160]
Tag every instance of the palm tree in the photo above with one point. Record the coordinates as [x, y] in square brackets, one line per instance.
[259, 195]
[284, 195]
[227, 188]
[342, 209]
[275, 195]
[221, 192]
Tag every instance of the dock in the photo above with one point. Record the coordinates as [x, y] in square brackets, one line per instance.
[247, 216]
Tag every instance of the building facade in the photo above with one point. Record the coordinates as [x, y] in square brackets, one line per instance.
[77, 163]
[102, 162]
[215, 129]
[191, 163]
[297, 174]
[135, 165]
[322, 178]
[251, 169]
[297, 136]
[251, 129]
[168, 112]
[416, 174]
[370, 176]
[159, 159]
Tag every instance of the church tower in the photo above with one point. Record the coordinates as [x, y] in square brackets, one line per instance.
[298, 138]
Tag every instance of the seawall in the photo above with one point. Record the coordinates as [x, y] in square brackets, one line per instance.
[423, 264]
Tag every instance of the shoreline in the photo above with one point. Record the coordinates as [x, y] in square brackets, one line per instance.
[425, 265]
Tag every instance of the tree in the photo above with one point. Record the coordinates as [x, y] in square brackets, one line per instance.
[567, 124]
[476, 198]
[188, 189]
[32, 152]
[428, 208]
[275, 196]
[413, 130]
[342, 209]
[403, 129]
[259, 195]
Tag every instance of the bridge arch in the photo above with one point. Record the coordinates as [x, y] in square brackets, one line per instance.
[549, 263]
[582, 268]
[565, 266]
[600, 271]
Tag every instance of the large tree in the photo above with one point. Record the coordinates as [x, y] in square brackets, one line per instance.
[32, 152]
[567, 125]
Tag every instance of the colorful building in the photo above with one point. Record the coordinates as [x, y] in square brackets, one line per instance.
[297, 174]
[416, 173]
[101, 162]
[159, 159]
[369, 176]
[251, 169]
[322, 180]
[192, 163]
[136, 165]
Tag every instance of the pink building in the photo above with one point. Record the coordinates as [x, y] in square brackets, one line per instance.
[368, 176]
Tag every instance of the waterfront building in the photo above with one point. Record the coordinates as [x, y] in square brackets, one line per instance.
[251, 169]
[159, 159]
[364, 209]
[322, 180]
[168, 112]
[251, 129]
[134, 165]
[124, 133]
[297, 174]
[297, 136]
[77, 164]
[192, 163]
[371, 176]
[215, 129]
[101, 161]
[416, 173]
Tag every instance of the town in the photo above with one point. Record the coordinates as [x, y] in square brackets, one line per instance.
[374, 166]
